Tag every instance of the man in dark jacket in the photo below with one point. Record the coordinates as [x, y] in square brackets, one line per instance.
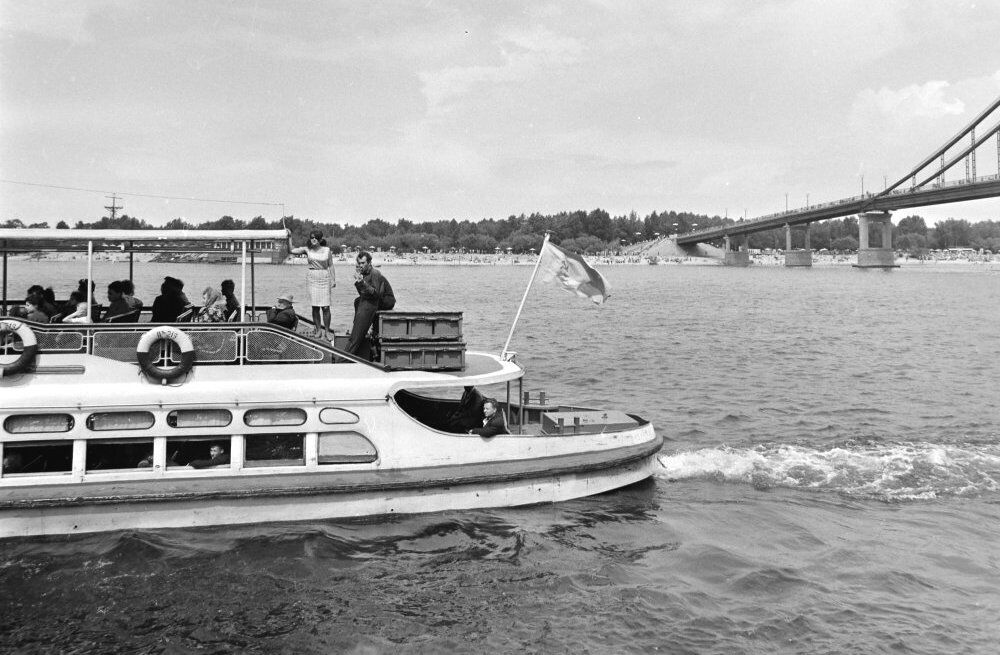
[493, 421]
[217, 457]
[282, 314]
[374, 294]
[469, 413]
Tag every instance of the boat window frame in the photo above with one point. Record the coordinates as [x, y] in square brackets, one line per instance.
[70, 424]
[342, 433]
[338, 410]
[259, 410]
[113, 441]
[173, 423]
[90, 421]
[273, 463]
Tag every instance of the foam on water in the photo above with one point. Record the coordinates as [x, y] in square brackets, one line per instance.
[887, 471]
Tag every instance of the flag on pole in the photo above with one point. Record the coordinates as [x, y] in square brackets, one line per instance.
[569, 271]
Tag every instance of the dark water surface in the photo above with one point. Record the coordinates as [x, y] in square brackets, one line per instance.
[830, 484]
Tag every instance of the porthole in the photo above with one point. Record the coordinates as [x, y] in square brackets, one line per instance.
[278, 416]
[120, 421]
[199, 418]
[28, 423]
[337, 416]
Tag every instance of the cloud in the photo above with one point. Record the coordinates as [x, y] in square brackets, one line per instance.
[51, 19]
[916, 101]
[525, 53]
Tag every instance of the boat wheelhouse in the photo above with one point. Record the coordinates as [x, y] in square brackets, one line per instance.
[108, 426]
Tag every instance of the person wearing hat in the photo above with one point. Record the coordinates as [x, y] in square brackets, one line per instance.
[282, 314]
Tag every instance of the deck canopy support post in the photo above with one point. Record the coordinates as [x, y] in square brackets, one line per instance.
[243, 279]
[90, 282]
[5, 277]
[253, 281]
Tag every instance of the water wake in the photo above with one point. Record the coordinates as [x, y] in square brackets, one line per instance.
[900, 471]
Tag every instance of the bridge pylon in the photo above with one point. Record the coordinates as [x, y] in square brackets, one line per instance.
[869, 257]
[740, 256]
[795, 257]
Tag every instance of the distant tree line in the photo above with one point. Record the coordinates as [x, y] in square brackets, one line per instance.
[581, 231]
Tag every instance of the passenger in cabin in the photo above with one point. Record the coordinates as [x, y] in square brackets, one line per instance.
[282, 313]
[321, 279]
[44, 304]
[146, 462]
[469, 413]
[493, 421]
[81, 311]
[12, 463]
[117, 305]
[228, 292]
[214, 308]
[374, 295]
[32, 309]
[171, 302]
[217, 457]
[128, 294]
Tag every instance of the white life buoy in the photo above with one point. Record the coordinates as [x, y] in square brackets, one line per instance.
[27, 339]
[165, 333]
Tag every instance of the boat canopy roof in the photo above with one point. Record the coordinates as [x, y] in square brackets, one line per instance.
[118, 236]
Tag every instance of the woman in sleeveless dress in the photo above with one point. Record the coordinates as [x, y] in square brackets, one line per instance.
[321, 279]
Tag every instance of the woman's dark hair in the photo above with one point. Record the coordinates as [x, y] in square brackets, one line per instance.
[117, 287]
[316, 234]
[35, 299]
[228, 285]
[127, 287]
[35, 288]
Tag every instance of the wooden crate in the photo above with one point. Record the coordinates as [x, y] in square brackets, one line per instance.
[586, 422]
[420, 326]
[423, 355]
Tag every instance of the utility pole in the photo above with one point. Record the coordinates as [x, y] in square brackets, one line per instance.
[113, 208]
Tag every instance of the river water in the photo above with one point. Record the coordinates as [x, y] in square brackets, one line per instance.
[830, 483]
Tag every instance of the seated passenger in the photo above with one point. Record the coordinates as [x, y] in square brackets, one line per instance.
[146, 462]
[32, 309]
[171, 302]
[117, 305]
[81, 311]
[469, 413]
[493, 421]
[214, 309]
[228, 292]
[128, 294]
[218, 457]
[282, 314]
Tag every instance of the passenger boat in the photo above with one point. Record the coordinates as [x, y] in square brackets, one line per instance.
[102, 425]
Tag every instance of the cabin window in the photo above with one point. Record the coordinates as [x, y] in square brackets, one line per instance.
[26, 423]
[198, 452]
[119, 454]
[37, 457]
[335, 416]
[120, 421]
[274, 450]
[280, 416]
[199, 418]
[345, 448]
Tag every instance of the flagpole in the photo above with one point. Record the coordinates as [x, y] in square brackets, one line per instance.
[525, 297]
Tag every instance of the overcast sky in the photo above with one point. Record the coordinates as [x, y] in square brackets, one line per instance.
[348, 111]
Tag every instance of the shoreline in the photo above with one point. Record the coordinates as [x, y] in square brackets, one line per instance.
[384, 259]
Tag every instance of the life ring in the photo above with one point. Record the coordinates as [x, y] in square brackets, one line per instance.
[165, 333]
[27, 339]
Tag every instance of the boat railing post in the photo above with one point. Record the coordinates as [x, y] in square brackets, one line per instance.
[524, 395]
[90, 282]
[243, 278]
[4, 242]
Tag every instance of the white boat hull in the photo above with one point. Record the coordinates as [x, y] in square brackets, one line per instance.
[137, 514]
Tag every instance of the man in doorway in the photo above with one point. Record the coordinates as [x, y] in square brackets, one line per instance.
[493, 421]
